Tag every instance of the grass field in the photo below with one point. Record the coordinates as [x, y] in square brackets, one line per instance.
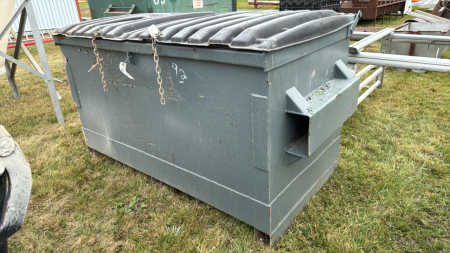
[84, 9]
[390, 192]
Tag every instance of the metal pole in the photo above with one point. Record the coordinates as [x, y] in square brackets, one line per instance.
[384, 49]
[13, 18]
[408, 38]
[401, 61]
[370, 78]
[364, 70]
[27, 53]
[23, 20]
[45, 66]
[367, 92]
[358, 46]
[12, 82]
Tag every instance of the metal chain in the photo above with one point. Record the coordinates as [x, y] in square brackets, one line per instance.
[99, 61]
[158, 69]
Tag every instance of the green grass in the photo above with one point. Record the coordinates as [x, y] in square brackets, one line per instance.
[390, 192]
[84, 9]
[243, 5]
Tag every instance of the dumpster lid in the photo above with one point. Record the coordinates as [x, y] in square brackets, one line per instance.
[260, 31]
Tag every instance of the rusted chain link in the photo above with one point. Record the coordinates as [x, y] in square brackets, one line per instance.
[99, 61]
[158, 68]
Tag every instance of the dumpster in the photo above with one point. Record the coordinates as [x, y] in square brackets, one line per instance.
[422, 50]
[15, 187]
[106, 8]
[243, 110]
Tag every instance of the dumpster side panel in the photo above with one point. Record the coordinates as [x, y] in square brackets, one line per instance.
[206, 125]
[300, 189]
[292, 185]
[286, 128]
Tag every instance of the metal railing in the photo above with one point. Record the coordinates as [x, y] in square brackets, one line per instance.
[28, 35]
[383, 59]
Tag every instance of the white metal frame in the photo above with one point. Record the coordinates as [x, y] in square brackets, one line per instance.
[26, 10]
[383, 59]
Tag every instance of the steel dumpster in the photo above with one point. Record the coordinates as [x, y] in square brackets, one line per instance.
[106, 8]
[253, 103]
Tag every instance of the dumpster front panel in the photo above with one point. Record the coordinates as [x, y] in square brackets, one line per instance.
[204, 123]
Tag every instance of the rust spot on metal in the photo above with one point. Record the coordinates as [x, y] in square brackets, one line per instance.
[195, 50]
[173, 158]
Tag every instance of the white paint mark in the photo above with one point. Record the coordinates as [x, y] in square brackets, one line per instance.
[184, 75]
[123, 69]
[175, 67]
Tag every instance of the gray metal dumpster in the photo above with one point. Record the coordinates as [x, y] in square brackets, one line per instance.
[106, 8]
[254, 103]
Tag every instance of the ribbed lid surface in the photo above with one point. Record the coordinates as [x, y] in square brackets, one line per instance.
[261, 31]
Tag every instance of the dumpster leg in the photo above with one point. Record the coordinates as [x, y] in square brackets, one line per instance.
[261, 237]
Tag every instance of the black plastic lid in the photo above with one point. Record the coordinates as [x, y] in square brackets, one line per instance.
[261, 31]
